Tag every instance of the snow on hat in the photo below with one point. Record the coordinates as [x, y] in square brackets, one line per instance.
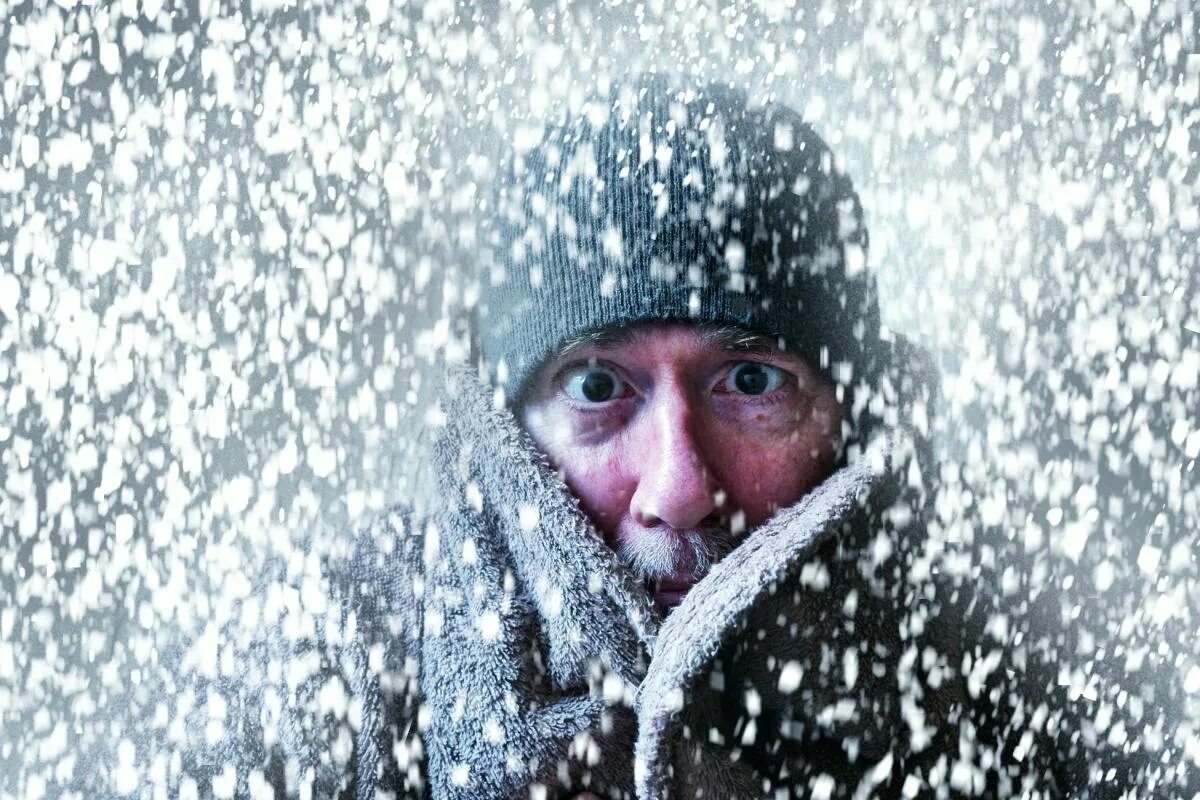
[676, 205]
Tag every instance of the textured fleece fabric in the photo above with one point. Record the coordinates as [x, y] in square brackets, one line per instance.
[497, 649]
[543, 662]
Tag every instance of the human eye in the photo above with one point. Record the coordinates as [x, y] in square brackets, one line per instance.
[754, 378]
[593, 383]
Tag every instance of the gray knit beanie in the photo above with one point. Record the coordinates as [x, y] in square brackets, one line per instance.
[663, 204]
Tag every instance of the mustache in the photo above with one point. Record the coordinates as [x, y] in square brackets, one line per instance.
[662, 552]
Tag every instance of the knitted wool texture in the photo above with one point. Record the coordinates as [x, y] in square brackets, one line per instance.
[676, 205]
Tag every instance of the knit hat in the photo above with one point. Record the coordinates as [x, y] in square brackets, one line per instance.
[659, 204]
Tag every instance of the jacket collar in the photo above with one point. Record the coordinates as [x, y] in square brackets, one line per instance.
[590, 606]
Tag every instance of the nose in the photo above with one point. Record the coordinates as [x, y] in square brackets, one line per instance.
[675, 485]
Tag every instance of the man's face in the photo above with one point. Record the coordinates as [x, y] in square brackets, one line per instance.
[677, 439]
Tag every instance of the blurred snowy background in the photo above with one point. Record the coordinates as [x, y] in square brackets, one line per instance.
[235, 241]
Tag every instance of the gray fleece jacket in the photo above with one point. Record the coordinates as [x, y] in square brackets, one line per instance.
[498, 649]
[495, 648]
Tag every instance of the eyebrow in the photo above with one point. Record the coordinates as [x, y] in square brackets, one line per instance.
[739, 340]
[603, 339]
[731, 338]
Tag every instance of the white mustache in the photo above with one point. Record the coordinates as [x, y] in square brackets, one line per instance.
[657, 553]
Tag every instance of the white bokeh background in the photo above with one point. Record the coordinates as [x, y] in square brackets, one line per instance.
[236, 241]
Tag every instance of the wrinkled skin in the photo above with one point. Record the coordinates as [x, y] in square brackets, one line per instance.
[668, 430]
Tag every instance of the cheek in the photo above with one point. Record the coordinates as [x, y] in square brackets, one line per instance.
[769, 479]
[774, 472]
[594, 468]
[595, 475]
[826, 422]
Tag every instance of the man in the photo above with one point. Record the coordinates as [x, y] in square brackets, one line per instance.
[677, 310]
[664, 560]
[678, 313]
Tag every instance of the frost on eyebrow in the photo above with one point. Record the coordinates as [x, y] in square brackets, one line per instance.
[603, 339]
[739, 340]
[726, 336]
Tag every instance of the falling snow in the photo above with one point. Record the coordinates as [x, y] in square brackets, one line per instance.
[236, 247]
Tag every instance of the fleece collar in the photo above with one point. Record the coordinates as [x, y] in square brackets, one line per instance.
[515, 566]
[591, 605]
